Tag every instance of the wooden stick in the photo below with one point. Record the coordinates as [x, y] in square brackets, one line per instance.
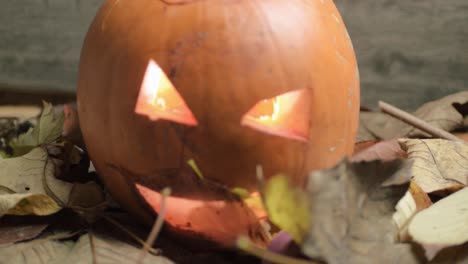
[246, 245]
[416, 122]
[156, 227]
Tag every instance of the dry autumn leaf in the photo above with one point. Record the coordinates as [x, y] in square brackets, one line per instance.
[71, 126]
[387, 150]
[35, 251]
[47, 130]
[442, 225]
[21, 113]
[93, 248]
[28, 185]
[20, 232]
[440, 113]
[354, 215]
[90, 248]
[413, 202]
[88, 200]
[287, 207]
[437, 164]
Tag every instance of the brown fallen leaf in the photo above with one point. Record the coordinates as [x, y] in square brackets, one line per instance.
[352, 215]
[71, 127]
[437, 164]
[387, 150]
[90, 248]
[442, 225]
[97, 248]
[365, 134]
[440, 113]
[413, 202]
[88, 200]
[362, 145]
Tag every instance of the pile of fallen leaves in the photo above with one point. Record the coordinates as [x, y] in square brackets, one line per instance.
[399, 199]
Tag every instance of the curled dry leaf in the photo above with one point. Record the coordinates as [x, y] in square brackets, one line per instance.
[30, 185]
[71, 127]
[440, 113]
[443, 224]
[387, 150]
[354, 215]
[414, 201]
[437, 164]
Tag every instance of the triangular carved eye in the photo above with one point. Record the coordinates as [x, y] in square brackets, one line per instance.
[158, 99]
[286, 115]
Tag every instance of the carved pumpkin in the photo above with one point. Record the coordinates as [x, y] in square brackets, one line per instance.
[227, 84]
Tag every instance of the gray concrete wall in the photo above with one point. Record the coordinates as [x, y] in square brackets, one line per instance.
[409, 51]
[40, 42]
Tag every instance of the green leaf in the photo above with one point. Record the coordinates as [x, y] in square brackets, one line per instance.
[287, 207]
[48, 130]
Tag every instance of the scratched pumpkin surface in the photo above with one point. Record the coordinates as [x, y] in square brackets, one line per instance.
[228, 84]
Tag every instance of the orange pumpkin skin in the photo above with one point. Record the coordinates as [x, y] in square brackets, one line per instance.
[222, 57]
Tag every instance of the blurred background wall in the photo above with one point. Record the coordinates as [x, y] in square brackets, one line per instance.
[409, 51]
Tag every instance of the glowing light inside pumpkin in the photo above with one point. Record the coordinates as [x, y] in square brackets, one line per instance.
[158, 99]
[219, 220]
[286, 115]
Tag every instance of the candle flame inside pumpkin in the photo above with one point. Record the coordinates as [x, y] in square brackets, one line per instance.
[203, 217]
[285, 115]
[158, 98]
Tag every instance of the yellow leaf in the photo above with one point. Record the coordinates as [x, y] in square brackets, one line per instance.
[287, 207]
[241, 192]
[27, 204]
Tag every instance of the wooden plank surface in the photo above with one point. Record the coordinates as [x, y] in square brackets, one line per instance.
[409, 51]
[40, 41]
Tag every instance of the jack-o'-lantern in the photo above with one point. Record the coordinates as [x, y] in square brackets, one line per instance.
[228, 85]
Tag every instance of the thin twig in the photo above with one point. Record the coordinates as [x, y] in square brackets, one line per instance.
[93, 247]
[156, 227]
[246, 245]
[416, 122]
[47, 189]
[129, 233]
